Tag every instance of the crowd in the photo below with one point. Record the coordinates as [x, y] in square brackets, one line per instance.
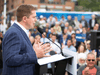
[63, 33]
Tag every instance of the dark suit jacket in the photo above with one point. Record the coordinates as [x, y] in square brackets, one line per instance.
[19, 57]
[86, 24]
[90, 23]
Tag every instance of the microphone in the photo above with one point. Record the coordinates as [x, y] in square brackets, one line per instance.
[41, 31]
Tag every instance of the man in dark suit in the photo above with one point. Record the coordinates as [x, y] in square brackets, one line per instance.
[19, 57]
[84, 22]
[92, 22]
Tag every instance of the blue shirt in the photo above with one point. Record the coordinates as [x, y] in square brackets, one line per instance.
[71, 48]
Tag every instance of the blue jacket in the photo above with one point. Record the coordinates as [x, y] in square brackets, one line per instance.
[19, 57]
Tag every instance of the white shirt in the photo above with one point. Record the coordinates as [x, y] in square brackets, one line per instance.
[93, 23]
[80, 29]
[12, 22]
[42, 23]
[55, 47]
[44, 40]
[64, 41]
[23, 28]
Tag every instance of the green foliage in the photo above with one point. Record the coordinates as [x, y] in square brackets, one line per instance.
[93, 5]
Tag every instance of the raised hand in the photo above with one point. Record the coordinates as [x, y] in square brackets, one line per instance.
[41, 49]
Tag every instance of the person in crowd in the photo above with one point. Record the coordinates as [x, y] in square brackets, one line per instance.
[81, 60]
[62, 22]
[69, 46]
[37, 39]
[77, 31]
[76, 23]
[94, 28]
[82, 49]
[80, 28]
[42, 22]
[56, 19]
[1, 35]
[44, 38]
[57, 28]
[32, 40]
[70, 21]
[84, 34]
[19, 57]
[70, 30]
[1, 19]
[3, 27]
[92, 22]
[52, 30]
[63, 40]
[35, 33]
[84, 22]
[89, 48]
[90, 68]
[47, 32]
[98, 27]
[66, 31]
[45, 19]
[47, 25]
[54, 47]
[51, 21]
[73, 38]
[66, 25]
[50, 35]
[13, 20]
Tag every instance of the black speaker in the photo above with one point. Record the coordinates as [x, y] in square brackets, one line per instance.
[95, 40]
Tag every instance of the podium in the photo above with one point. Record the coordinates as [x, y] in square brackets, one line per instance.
[68, 63]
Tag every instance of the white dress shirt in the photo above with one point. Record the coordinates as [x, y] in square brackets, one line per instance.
[93, 23]
[23, 28]
[55, 47]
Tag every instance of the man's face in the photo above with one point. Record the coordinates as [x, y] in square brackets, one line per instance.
[82, 61]
[69, 43]
[69, 17]
[90, 60]
[53, 38]
[82, 17]
[30, 21]
[88, 45]
[44, 35]
[38, 39]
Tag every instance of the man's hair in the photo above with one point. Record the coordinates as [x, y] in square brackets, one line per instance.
[70, 40]
[91, 54]
[54, 35]
[36, 37]
[24, 10]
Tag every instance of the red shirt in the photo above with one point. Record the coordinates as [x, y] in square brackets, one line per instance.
[92, 71]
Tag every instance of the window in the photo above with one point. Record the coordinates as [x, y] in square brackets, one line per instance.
[12, 0]
[42, 1]
[12, 6]
[50, 0]
[7, 9]
[22, 1]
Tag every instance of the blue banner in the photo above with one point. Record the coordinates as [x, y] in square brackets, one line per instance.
[79, 38]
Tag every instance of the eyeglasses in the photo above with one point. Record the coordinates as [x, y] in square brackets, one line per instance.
[91, 59]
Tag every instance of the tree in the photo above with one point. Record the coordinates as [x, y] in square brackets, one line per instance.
[93, 5]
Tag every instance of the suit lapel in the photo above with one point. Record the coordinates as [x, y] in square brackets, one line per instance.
[23, 33]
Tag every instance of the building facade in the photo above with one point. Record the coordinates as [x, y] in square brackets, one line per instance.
[52, 5]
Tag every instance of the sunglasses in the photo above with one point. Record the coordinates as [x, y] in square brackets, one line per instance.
[91, 59]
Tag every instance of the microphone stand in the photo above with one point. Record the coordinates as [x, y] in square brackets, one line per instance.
[40, 30]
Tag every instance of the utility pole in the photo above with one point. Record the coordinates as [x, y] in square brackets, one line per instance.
[4, 21]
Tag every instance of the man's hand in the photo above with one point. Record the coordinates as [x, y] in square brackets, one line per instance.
[41, 49]
[86, 71]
